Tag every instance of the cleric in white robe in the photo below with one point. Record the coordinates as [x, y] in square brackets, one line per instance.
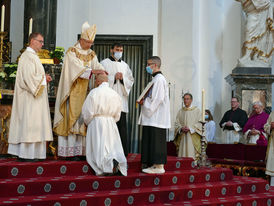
[30, 124]
[121, 80]
[101, 110]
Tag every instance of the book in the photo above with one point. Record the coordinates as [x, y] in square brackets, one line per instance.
[144, 92]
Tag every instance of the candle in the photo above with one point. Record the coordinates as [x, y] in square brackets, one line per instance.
[2, 18]
[203, 105]
[30, 26]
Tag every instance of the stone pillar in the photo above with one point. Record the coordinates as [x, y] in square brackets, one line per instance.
[252, 84]
[44, 15]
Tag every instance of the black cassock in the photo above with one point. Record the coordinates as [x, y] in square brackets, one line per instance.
[238, 116]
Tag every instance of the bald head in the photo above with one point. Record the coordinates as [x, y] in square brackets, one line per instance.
[100, 78]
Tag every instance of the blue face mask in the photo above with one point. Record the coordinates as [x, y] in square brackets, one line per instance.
[206, 116]
[149, 70]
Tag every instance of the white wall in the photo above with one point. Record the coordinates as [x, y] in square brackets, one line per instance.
[111, 17]
[200, 44]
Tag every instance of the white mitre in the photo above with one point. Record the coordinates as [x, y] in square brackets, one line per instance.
[88, 32]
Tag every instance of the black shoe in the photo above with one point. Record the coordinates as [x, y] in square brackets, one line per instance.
[19, 159]
[75, 159]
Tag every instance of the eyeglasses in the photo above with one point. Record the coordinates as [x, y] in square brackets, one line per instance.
[41, 41]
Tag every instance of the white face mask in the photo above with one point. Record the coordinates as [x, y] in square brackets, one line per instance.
[118, 55]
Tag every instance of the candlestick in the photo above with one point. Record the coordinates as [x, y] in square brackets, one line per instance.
[30, 26]
[2, 18]
[2, 36]
[203, 105]
[203, 160]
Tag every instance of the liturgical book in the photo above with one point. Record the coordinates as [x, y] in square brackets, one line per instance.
[145, 92]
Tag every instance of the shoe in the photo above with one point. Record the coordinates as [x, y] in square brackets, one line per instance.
[154, 170]
[19, 159]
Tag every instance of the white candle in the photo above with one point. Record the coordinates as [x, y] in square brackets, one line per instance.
[2, 18]
[30, 26]
[203, 105]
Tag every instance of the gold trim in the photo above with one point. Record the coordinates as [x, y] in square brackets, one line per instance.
[84, 57]
[39, 86]
[255, 50]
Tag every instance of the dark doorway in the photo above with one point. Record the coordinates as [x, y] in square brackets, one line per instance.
[137, 48]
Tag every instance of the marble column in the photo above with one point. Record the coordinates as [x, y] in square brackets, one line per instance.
[43, 13]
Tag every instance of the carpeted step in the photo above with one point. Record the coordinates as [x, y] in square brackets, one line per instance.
[263, 199]
[62, 182]
[50, 168]
[191, 194]
[260, 199]
[85, 183]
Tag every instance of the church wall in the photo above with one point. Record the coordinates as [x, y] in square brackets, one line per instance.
[176, 50]
[111, 17]
[199, 41]
[199, 49]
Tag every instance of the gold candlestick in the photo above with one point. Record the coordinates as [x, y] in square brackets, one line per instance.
[2, 36]
[203, 161]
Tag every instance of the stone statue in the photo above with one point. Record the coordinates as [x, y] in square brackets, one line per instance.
[258, 45]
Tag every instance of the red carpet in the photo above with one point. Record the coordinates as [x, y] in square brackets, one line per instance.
[74, 183]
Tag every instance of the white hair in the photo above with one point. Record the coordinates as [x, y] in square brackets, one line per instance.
[257, 103]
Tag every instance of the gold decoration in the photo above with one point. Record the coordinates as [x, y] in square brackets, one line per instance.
[255, 50]
[84, 57]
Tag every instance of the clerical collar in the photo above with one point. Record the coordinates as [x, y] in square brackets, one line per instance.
[114, 60]
[154, 74]
[31, 50]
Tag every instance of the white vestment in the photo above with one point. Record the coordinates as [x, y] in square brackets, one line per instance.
[188, 144]
[210, 128]
[30, 124]
[232, 136]
[101, 111]
[270, 150]
[123, 89]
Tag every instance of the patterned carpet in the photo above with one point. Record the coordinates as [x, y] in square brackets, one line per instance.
[57, 182]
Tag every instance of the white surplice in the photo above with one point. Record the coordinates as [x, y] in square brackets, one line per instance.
[123, 89]
[101, 111]
[155, 111]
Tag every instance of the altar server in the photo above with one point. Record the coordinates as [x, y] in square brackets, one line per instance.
[121, 80]
[155, 119]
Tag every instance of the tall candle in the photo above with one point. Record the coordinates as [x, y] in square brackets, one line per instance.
[203, 105]
[30, 26]
[2, 18]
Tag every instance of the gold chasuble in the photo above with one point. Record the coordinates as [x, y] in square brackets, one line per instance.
[188, 144]
[72, 91]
